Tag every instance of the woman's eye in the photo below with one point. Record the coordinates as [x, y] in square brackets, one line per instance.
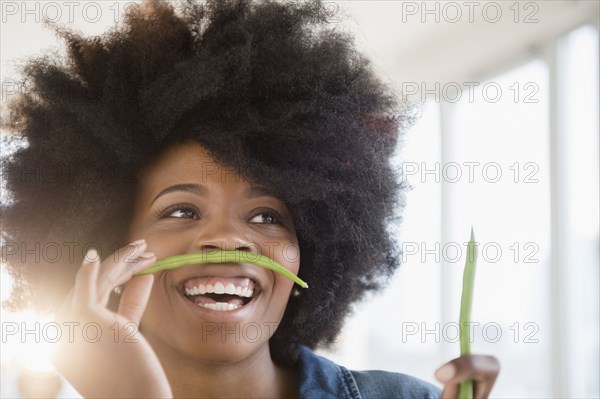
[178, 212]
[183, 213]
[265, 218]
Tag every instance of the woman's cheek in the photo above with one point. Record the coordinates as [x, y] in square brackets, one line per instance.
[168, 243]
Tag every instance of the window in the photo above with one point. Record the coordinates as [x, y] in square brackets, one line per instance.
[516, 157]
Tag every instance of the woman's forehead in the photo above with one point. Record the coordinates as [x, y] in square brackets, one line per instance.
[190, 167]
[187, 161]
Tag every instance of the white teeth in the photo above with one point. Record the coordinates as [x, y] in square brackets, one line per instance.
[220, 306]
[219, 288]
[230, 289]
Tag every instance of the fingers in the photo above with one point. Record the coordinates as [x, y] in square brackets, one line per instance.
[95, 280]
[446, 373]
[490, 369]
[450, 392]
[482, 369]
[84, 292]
[65, 307]
[135, 297]
[121, 266]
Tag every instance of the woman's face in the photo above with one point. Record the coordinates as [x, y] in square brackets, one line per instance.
[189, 203]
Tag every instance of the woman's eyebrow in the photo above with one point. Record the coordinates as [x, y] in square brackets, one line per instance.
[198, 189]
[258, 191]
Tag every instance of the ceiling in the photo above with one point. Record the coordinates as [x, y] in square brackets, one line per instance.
[407, 43]
[403, 38]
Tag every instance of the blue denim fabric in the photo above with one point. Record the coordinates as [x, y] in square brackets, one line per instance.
[322, 379]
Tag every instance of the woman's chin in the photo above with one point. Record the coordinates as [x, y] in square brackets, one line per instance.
[207, 334]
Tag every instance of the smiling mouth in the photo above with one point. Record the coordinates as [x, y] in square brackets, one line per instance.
[223, 294]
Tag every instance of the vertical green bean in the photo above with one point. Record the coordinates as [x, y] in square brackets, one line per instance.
[465, 389]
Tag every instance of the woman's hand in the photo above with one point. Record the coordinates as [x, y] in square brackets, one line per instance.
[102, 353]
[482, 369]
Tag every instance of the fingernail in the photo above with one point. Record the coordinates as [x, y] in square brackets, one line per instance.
[141, 265]
[91, 255]
[446, 372]
[144, 262]
[147, 255]
[138, 242]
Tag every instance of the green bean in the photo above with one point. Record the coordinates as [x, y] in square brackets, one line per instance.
[173, 262]
[465, 389]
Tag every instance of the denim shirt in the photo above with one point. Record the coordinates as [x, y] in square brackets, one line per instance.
[321, 378]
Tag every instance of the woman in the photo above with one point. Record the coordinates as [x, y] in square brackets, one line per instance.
[234, 125]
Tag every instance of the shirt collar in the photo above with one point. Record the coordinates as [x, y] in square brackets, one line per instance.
[321, 378]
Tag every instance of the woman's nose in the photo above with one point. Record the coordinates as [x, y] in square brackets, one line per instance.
[224, 235]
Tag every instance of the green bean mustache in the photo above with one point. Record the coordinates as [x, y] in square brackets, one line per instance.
[173, 262]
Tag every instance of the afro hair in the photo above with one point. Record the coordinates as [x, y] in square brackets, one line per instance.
[272, 89]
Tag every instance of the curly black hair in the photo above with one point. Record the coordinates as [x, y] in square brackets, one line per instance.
[273, 89]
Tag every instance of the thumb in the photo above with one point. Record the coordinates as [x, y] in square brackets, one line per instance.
[135, 297]
[482, 369]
